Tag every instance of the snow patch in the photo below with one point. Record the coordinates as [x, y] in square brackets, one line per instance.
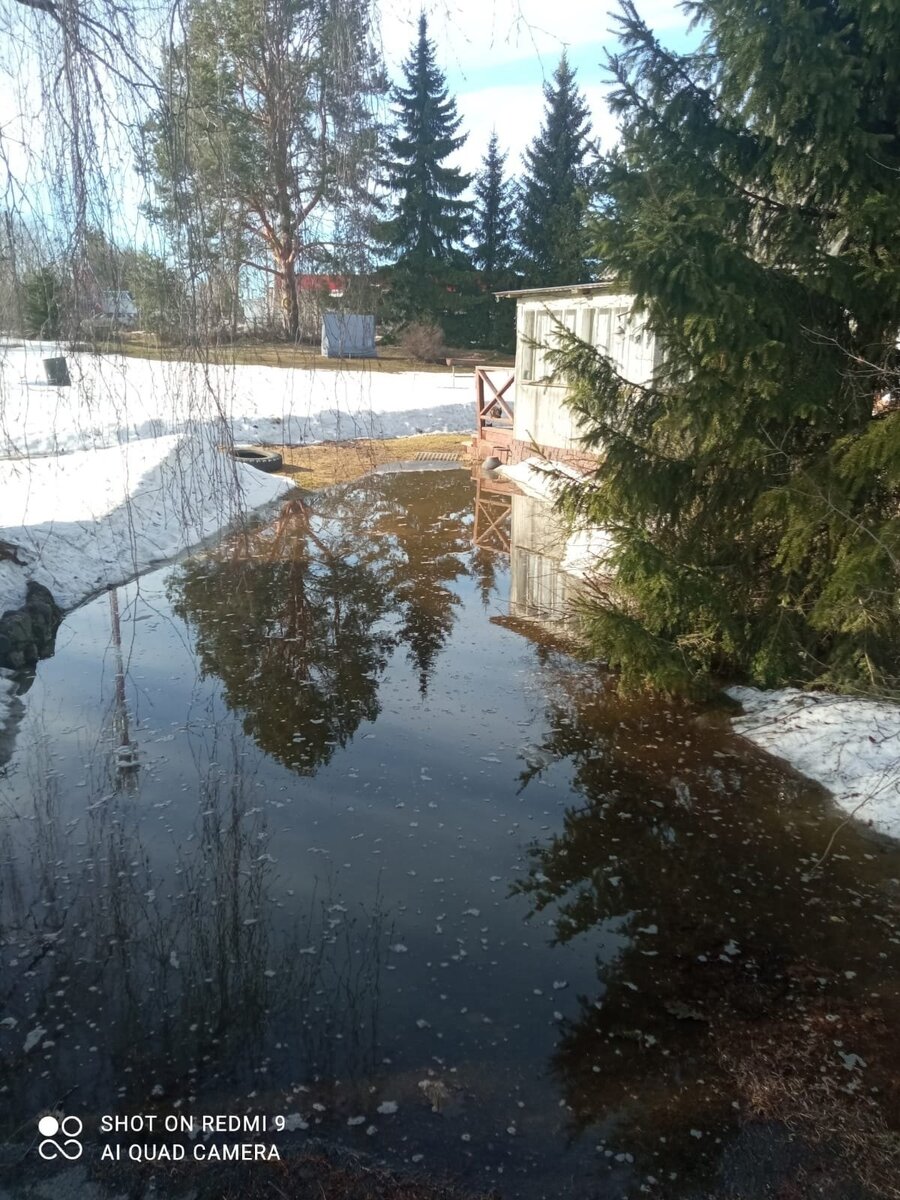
[851, 746]
[92, 519]
[114, 399]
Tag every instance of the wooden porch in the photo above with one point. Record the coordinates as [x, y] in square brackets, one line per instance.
[493, 412]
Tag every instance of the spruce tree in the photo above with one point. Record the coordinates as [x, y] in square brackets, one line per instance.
[753, 486]
[492, 223]
[43, 303]
[555, 188]
[494, 249]
[429, 219]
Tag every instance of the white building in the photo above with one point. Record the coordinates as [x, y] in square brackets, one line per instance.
[118, 307]
[533, 410]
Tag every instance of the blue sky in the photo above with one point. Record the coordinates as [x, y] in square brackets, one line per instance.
[497, 54]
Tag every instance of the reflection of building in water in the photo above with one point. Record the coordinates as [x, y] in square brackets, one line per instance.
[527, 530]
[493, 506]
[541, 589]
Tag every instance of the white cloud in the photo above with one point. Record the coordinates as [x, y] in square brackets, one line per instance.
[473, 34]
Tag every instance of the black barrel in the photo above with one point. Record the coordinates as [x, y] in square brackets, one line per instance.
[57, 372]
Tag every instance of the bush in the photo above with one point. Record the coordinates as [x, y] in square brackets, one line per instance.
[42, 303]
[423, 342]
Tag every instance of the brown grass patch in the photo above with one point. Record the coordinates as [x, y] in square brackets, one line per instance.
[327, 463]
[793, 1072]
[390, 360]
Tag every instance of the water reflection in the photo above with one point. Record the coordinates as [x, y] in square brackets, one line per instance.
[426, 536]
[126, 975]
[298, 619]
[525, 530]
[732, 956]
[290, 620]
[376, 838]
[541, 590]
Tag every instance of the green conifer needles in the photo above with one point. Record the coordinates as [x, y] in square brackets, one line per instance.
[753, 207]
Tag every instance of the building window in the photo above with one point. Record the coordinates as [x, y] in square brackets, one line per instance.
[540, 336]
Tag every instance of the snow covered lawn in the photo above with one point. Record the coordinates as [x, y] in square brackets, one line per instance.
[850, 746]
[114, 399]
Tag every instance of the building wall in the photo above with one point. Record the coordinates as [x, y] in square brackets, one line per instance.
[602, 319]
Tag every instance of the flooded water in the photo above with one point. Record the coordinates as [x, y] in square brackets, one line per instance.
[327, 824]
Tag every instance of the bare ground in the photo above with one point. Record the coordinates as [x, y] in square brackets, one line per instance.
[390, 360]
[326, 463]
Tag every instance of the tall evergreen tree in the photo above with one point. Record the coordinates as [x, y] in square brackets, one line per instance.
[492, 223]
[555, 188]
[494, 249]
[429, 219]
[754, 486]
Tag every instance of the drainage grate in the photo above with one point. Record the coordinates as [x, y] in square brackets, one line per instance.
[439, 455]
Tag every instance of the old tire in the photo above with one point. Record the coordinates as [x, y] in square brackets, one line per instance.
[263, 460]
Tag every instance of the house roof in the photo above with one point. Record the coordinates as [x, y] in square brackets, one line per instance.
[599, 285]
[314, 283]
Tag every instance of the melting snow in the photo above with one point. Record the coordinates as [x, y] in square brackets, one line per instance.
[850, 746]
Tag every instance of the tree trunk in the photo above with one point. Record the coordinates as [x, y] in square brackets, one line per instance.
[290, 303]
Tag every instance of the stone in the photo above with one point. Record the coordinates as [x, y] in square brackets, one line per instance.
[28, 634]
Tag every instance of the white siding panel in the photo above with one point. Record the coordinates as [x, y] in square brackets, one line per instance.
[604, 320]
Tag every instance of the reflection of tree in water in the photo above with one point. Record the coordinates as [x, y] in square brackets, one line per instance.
[142, 983]
[425, 519]
[484, 568]
[289, 620]
[299, 618]
[712, 939]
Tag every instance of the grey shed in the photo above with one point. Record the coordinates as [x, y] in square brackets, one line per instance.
[348, 335]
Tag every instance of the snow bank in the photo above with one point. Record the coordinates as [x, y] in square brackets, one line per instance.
[87, 520]
[90, 519]
[587, 547]
[850, 746]
[114, 399]
[540, 477]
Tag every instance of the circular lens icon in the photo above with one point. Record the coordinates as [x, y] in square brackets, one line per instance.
[69, 1145]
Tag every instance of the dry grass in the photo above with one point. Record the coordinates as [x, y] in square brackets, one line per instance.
[390, 360]
[790, 1072]
[327, 463]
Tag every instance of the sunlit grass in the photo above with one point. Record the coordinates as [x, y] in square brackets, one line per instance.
[327, 463]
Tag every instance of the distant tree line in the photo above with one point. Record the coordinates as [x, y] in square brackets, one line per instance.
[270, 155]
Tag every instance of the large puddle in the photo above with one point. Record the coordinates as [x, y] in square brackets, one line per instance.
[328, 825]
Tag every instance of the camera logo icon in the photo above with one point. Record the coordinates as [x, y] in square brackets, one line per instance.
[60, 1138]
